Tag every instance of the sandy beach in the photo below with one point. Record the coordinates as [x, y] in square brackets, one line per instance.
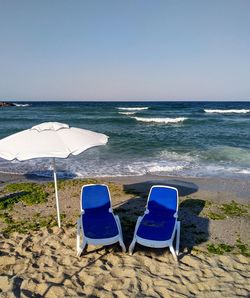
[40, 260]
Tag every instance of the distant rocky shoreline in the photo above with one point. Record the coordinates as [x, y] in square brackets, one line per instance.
[6, 104]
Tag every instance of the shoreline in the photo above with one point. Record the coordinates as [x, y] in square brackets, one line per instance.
[217, 189]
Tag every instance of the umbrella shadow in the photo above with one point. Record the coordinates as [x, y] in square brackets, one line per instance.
[194, 229]
[184, 188]
[43, 176]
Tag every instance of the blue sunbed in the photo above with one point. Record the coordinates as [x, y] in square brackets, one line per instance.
[159, 225]
[97, 222]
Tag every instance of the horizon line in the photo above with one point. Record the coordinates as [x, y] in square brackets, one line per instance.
[137, 100]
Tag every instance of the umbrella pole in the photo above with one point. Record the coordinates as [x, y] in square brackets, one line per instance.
[56, 193]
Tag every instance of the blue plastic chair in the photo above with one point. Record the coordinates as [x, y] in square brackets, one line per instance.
[158, 226]
[97, 222]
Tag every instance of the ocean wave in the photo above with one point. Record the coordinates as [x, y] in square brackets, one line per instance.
[21, 105]
[161, 120]
[230, 111]
[127, 113]
[133, 108]
[228, 153]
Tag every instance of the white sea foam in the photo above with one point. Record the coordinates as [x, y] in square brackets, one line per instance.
[244, 171]
[159, 168]
[177, 157]
[21, 105]
[167, 163]
[161, 120]
[127, 113]
[132, 108]
[230, 111]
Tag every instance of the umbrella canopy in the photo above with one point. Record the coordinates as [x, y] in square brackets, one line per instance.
[49, 139]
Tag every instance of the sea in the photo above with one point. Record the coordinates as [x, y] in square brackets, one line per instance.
[187, 139]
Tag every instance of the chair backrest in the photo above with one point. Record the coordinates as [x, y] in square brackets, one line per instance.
[95, 197]
[163, 199]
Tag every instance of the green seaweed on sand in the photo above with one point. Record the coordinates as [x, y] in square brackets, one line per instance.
[219, 249]
[66, 183]
[63, 184]
[6, 218]
[225, 210]
[215, 216]
[243, 248]
[234, 209]
[25, 226]
[28, 193]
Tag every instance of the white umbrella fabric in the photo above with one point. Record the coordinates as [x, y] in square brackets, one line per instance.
[50, 139]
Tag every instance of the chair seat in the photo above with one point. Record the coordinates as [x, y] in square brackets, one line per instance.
[157, 227]
[99, 226]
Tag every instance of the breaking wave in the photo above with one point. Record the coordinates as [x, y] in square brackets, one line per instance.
[21, 105]
[161, 120]
[230, 111]
[127, 113]
[133, 109]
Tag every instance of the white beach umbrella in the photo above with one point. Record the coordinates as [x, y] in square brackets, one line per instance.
[50, 139]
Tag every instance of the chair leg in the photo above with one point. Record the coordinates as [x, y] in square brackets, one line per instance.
[132, 246]
[78, 248]
[173, 252]
[81, 248]
[122, 245]
[120, 233]
[178, 237]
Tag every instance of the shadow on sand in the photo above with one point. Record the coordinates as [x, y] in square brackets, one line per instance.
[194, 229]
[44, 176]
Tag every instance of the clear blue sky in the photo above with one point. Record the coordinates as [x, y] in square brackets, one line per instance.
[125, 50]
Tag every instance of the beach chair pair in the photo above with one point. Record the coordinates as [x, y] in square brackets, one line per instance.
[156, 228]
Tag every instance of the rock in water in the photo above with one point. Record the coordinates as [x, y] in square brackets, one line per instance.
[6, 104]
